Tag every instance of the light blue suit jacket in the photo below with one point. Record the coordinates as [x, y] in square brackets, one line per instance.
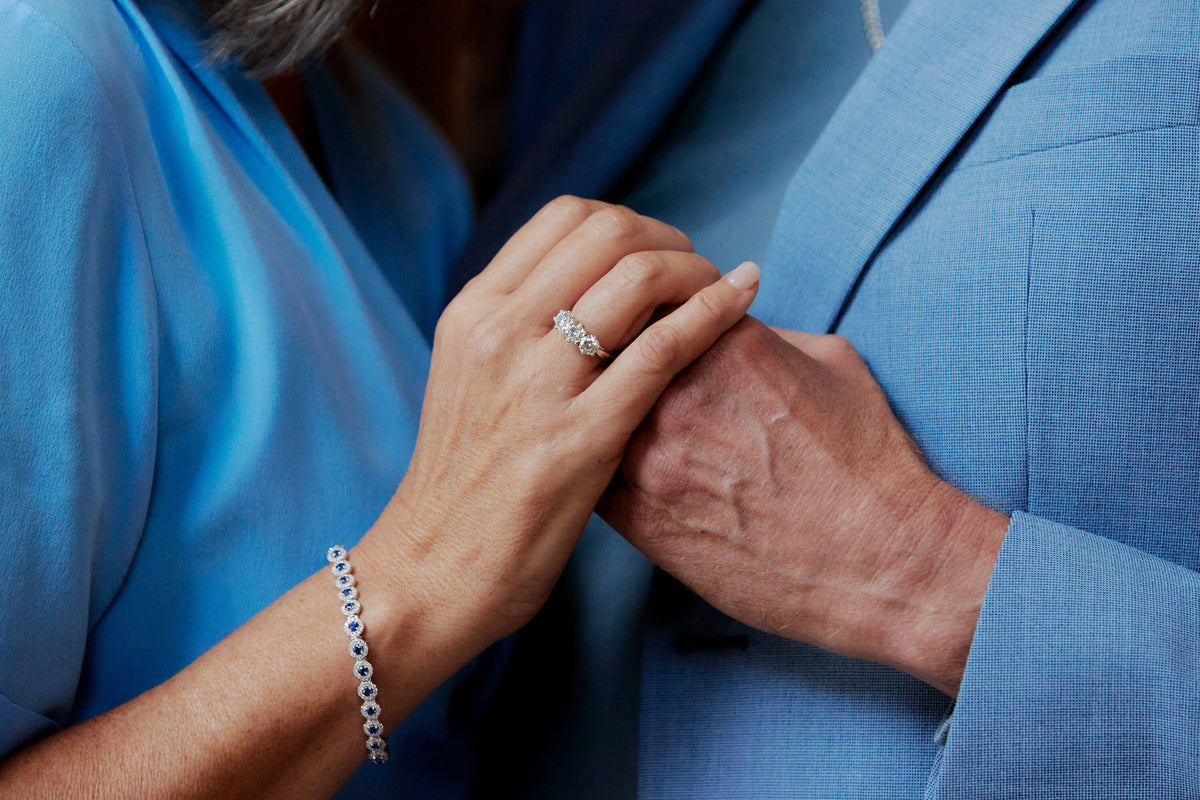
[1003, 216]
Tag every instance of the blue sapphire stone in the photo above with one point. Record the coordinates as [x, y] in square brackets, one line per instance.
[358, 650]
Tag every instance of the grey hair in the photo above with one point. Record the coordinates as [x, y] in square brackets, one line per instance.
[269, 37]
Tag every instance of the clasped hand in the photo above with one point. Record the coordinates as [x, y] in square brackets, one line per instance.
[773, 479]
[771, 476]
[520, 431]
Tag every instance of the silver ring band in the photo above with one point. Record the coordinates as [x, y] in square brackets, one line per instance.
[573, 332]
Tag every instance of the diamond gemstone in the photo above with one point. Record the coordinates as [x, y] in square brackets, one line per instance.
[563, 319]
[589, 345]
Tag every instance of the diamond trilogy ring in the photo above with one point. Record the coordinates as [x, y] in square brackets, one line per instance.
[564, 321]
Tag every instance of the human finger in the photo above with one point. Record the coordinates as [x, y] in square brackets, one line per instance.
[589, 252]
[617, 307]
[623, 394]
[537, 237]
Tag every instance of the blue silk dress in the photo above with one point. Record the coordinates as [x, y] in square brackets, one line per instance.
[211, 360]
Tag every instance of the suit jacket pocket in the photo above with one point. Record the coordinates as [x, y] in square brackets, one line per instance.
[1121, 95]
[1112, 337]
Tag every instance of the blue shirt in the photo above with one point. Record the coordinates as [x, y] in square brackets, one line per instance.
[211, 365]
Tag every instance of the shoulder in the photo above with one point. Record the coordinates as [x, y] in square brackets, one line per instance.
[69, 214]
[67, 69]
[73, 100]
[96, 32]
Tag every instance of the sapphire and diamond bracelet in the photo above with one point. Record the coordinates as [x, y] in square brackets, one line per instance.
[368, 692]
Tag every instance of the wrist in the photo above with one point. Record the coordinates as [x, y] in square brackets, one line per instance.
[959, 541]
[417, 614]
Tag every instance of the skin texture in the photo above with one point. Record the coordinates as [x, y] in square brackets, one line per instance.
[519, 436]
[773, 479]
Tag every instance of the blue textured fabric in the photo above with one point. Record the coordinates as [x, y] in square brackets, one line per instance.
[206, 377]
[595, 82]
[1002, 216]
[1031, 314]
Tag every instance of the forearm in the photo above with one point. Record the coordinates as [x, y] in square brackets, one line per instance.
[271, 710]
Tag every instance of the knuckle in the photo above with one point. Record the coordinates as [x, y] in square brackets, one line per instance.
[617, 222]
[474, 286]
[838, 347]
[444, 329]
[485, 339]
[450, 322]
[661, 470]
[568, 207]
[746, 334]
[687, 245]
[706, 269]
[710, 304]
[661, 346]
[641, 271]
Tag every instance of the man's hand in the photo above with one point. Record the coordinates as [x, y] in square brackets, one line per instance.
[773, 479]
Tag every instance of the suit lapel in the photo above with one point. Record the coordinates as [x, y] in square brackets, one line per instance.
[940, 69]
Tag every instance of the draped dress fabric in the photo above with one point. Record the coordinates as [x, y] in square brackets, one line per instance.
[211, 361]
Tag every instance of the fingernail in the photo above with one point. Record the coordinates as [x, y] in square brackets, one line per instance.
[745, 276]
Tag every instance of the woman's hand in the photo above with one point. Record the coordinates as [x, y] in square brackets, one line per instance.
[521, 432]
[519, 436]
